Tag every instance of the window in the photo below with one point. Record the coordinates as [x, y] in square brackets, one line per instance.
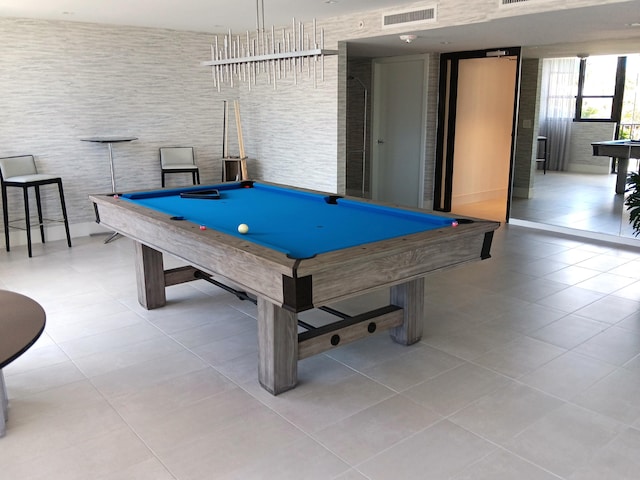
[630, 119]
[600, 88]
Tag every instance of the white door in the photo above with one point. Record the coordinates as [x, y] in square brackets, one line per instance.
[398, 131]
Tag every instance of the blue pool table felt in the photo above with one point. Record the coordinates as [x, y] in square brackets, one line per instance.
[299, 224]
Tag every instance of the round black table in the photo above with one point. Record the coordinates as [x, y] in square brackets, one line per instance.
[22, 322]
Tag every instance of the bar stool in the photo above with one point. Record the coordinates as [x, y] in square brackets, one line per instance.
[20, 171]
[542, 154]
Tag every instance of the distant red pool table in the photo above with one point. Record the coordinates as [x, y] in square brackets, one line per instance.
[304, 249]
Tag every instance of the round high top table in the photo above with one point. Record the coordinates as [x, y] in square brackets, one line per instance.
[22, 322]
[109, 141]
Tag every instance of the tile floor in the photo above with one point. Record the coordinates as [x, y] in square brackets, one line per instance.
[529, 369]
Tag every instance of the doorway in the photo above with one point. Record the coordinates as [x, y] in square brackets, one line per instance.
[577, 193]
[398, 130]
[476, 135]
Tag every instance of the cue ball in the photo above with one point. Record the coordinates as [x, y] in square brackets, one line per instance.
[243, 228]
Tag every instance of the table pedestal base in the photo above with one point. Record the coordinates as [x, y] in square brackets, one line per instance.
[280, 346]
[4, 401]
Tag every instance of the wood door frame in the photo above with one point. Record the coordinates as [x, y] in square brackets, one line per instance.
[445, 137]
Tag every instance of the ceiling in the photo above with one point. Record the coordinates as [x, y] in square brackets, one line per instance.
[604, 29]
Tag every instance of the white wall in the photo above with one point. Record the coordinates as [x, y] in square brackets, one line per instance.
[581, 158]
[63, 81]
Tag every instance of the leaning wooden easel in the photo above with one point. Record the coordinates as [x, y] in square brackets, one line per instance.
[233, 168]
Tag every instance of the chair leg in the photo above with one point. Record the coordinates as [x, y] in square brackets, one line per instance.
[27, 220]
[197, 177]
[162, 179]
[5, 218]
[64, 212]
[39, 205]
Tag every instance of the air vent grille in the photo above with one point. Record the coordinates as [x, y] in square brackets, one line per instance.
[413, 17]
[512, 2]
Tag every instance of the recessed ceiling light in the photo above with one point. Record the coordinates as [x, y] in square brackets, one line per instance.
[633, 24]
[330, 2]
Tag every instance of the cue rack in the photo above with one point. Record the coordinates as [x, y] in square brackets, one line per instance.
[233, 168]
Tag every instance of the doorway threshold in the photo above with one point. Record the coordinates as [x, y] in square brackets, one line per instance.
[601, 237]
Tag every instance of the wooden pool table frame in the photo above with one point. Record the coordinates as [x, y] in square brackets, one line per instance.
[285, 286]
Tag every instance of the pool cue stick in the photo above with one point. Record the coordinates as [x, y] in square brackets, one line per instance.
[224, 129]
[236, 105]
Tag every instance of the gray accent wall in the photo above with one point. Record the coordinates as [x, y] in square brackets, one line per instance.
[526, 141]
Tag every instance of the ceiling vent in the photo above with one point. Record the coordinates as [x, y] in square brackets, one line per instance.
[409, 17]
[511, 2]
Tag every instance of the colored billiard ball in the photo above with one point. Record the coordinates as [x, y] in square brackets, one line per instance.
[202, 227]
[243, 228]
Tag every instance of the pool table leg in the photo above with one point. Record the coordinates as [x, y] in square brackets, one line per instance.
[149, 276]
[621, 179]
[409, 296]
[278, 347]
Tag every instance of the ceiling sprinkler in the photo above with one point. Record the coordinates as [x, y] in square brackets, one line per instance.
[408, 38]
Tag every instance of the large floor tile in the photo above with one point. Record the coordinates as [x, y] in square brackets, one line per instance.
[619, 459]
[456, 388]
[502, 465]
[374, 429]
[519, 357]
[614, 345]
[420, 363]
[568, 375]
[439, 452]
[570, 331]
[305, 458]
[617, 396]
[504, 413]
[565, 439]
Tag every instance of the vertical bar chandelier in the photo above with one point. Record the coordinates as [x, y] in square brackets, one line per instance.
[241, 58]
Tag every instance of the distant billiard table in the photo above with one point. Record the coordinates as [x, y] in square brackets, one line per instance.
[622, 151]
[304, 249]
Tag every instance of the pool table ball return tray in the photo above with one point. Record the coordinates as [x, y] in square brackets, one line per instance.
[283, 280]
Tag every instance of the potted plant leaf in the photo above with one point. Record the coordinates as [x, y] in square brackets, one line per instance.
[633, 201]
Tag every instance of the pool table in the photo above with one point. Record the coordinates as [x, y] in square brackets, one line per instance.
[622, 151]
[304, 249]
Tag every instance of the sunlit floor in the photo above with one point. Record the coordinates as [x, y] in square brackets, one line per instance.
[489, 209]
[529, 368]
[578, 201]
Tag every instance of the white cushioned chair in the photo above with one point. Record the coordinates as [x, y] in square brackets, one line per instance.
[179, 160]
[21, 172]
